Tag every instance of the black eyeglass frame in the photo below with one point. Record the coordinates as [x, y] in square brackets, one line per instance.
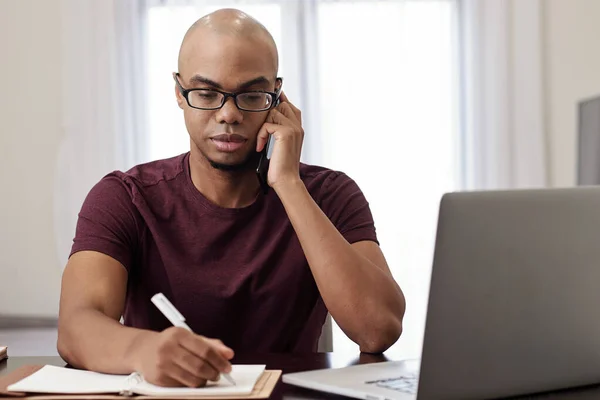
[274, 96]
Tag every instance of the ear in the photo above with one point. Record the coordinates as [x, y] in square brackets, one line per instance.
[278, 84]
[180, 99]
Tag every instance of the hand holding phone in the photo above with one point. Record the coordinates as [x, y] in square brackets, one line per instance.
[262, 170]
[280, 142]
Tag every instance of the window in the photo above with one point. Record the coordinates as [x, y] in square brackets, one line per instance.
[383, 74]
[388, 121]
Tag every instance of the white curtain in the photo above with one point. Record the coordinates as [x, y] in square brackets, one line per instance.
[104, 118]
[505, 144]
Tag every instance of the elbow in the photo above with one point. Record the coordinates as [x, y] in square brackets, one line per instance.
[377, 341]
[386, 330]
[64, 345]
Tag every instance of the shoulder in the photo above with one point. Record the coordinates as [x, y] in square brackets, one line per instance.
[315, 175]
[342, 201]
[321, 181]
[152, 173]
[140, 177]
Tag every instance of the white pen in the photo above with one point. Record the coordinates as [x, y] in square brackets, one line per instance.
[174, 316]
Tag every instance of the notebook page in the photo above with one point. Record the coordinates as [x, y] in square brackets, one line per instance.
[245, 377]
[52, 379]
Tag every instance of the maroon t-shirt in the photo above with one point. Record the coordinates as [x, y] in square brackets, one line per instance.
[239, 275]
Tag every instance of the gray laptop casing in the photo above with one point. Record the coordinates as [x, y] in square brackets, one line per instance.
[514, 294]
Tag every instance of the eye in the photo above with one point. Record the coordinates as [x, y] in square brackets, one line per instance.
[254, 97]
[206, 94]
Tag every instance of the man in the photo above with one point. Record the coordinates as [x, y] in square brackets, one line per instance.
[250, 271]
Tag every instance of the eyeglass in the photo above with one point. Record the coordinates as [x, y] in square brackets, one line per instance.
[213, 99]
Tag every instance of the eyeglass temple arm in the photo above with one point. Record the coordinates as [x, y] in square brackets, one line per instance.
[181, 89]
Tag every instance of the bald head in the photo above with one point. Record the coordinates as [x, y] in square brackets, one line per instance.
[231, 25]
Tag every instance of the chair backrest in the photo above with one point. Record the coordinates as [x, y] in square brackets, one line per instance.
[326, 338]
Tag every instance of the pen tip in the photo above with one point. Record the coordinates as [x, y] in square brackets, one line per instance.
[230, 379]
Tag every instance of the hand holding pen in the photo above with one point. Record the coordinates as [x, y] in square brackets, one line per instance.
[175, 317]
[177, 356]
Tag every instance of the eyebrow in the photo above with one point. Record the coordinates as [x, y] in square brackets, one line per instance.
[198, 79]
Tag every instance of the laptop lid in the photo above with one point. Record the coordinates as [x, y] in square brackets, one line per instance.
[514, 293]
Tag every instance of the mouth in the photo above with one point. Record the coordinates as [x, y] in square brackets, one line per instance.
[228, 142]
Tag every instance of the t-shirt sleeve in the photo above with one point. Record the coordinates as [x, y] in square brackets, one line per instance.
[108, 222]
[347, 208]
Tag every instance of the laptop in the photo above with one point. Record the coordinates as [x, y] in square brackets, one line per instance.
[512, 306]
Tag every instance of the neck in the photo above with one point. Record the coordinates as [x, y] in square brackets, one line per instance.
[227, 189]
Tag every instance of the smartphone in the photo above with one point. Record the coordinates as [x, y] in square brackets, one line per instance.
[262, 170]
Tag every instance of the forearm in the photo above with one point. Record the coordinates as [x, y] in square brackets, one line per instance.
[91, 340]
[357, 293]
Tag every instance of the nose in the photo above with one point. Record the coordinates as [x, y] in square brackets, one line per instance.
[229, 113]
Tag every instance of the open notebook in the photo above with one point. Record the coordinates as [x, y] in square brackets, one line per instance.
[51, 379]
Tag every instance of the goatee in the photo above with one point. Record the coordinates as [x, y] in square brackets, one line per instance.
[249, 163]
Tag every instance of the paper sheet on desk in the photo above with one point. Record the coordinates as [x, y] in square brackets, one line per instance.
[51, 379]
[245, 377]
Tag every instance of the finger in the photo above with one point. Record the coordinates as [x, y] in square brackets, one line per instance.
[208, 372]
[195, 365]
[278, 117]
[203, 349]
[186, 378]
[283, 97]
[174, 376]
[274, 122]
[227, 352]
[216, 359]
[287, 110]
[164, 380]
[263, 134]
[296, 110]
[265, 131]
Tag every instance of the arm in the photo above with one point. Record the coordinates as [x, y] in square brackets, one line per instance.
[93, 293]
[91, 303]
[91, 337]
[353, 279]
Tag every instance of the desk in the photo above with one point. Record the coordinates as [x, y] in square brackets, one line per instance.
[303, 362]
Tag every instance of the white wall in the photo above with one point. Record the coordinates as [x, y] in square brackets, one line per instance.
[30, 133]
[572, 73]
